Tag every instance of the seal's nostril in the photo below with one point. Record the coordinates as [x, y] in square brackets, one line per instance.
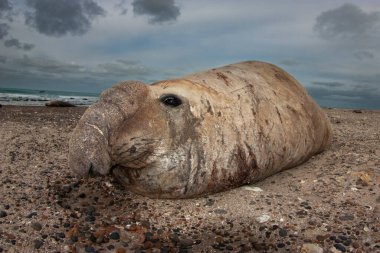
[91, 171]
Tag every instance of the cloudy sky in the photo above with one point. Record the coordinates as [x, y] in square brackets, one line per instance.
[331, 47]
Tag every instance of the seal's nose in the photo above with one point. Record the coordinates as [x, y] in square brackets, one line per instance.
[89, 147]
[91, 171]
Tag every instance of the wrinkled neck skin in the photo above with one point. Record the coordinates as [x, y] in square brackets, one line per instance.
[236, 125]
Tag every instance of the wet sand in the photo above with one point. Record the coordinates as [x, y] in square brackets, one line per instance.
[329, 204]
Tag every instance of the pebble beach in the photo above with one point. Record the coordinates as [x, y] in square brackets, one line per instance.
[329, 204]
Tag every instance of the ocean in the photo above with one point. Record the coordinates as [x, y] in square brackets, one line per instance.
[28, 97]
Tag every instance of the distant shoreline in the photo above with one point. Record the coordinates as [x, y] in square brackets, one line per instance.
[28, 97]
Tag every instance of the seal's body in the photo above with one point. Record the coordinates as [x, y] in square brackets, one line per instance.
[200, 134]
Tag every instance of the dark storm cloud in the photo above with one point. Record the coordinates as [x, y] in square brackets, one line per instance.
[329, 84]
[4, 7]
[348, 20]
[6, 10]
[121, 7]
[58, 17]
[361, 55]
[12, 43]
[27, 46]
[3, 59]
[4, 29]
[17, 44]
[160, 11]
[92, 9]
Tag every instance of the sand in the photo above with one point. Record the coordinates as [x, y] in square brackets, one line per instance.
[329, 204]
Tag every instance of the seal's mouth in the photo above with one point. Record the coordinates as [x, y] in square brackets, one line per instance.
[125, 175]
[130, 165]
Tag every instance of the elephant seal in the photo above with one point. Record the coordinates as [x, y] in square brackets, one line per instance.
[200, 134]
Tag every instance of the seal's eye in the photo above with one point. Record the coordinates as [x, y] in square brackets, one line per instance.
[171, 100]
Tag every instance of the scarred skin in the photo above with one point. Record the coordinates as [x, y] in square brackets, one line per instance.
[236, 125]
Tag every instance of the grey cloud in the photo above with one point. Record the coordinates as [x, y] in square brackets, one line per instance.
[361, 55]
[27, 46]
[4, 7]
[365, 96]
[348, 20]
[4, 29]
[121, 7]
[58, 18]
[6, 10]
[12, 43]
[329, 84]
[6, 13]
[122, 69]
[128, 62]
[355, 74]
[92, 9]
[50, 69]
[3, 59]
[160, 11]
[52, 66]
[48, 73]
[288, 62]
[17, 44]
[47, 65]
